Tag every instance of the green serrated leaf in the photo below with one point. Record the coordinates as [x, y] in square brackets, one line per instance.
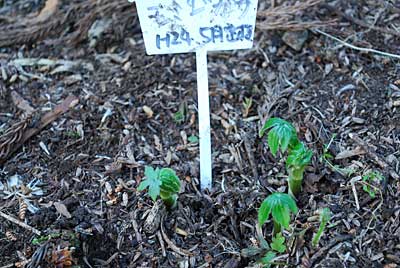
[152, 182]
[264, 211]
[280, 205]
[278, 243]
[273, 142]
[281, 215]
[282, 134]
[299, 157]
[267, 259]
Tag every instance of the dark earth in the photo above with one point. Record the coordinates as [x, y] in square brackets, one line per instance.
[137, 110]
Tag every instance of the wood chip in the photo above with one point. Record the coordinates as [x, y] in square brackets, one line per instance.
[62, 209]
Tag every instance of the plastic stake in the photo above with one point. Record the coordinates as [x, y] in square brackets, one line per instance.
[204, 119]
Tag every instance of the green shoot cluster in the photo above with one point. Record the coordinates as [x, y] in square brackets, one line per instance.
[282, 136]
[161, 182]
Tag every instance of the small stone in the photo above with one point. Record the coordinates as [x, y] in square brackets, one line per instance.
[296, 39]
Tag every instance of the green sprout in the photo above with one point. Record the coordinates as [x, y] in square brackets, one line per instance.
[161, 182]
[247, 103]
[283, 135]
[193, 139]
[278, 243]
[279, 205]
[299, 157]
[325, 216]
[180, 115]
[369, 179]
[268, 260]
[326, 158]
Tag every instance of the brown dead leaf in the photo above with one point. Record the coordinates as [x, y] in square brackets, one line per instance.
[148, 111]
[350, 153]
[62, 209]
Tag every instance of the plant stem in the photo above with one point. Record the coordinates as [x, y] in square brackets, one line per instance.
[295, 180]
[277, 228]
[169, 201]
[318, 235]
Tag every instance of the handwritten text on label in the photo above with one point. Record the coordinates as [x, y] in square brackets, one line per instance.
[179, 26]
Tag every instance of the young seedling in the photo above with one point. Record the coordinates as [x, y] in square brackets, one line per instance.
[161, 182]
[278, 243]
[247, 103]
[268, 260]
[279, 205]
[370, 179]
[299, 157]
[281, 135]
[325, 216]
[326, 158]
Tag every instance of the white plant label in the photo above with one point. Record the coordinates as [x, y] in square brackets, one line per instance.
[182, 26]
[179, 26]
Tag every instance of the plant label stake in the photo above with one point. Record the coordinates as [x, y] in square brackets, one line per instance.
[183, 26]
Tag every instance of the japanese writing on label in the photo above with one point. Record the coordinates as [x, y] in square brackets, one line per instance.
[180, 26]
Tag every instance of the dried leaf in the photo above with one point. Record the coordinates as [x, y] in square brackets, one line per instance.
[62, 209]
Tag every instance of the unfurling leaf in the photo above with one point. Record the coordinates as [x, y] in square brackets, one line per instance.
[280, 205]
[164, 183]
[152, 182]
[278, 243]
[299, 157]
[282, 134]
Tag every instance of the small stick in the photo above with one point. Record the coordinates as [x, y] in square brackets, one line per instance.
[368, 50]
[171, 245]
[374, 156]
[360, 22]
[164, 253]
[20, 223]
[48, 118]
[8, 265]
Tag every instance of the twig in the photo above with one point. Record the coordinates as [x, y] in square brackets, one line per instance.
[360, 22]
[171, 245]
[353, 187]
[8, 265]
[21, 103]
[164, 253]
[250, 155]
[48, 118]
[368, 50]
[20, 223]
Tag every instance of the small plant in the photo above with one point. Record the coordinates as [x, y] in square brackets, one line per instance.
[278, 243]
[268, 260]
[326, 158]
[279, 205]
[325, 216]
[180, 115]
[369, 179]
[247, 103]
[299, 157]
[193, 139]
[282, 135]
[161, 182]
